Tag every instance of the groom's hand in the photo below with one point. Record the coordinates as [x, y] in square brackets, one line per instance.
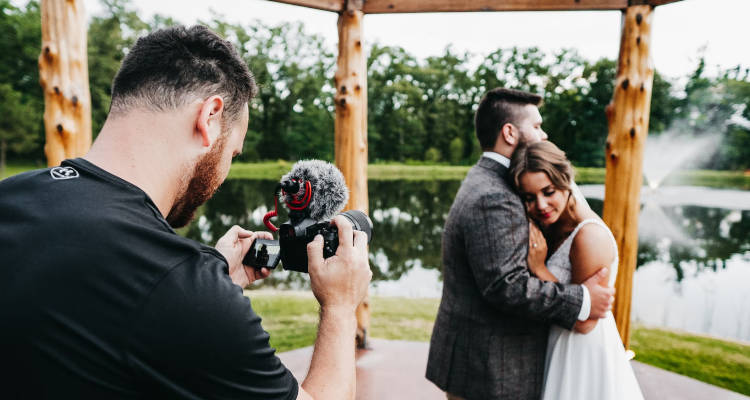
[602, 296]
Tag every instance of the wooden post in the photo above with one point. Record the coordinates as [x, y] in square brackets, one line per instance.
[628, 116]
[64, 76]
[351, 124]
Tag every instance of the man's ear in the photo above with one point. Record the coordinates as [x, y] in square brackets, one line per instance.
[208, 123]
[509, 134]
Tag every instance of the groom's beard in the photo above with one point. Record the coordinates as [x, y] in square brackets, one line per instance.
[202, 185]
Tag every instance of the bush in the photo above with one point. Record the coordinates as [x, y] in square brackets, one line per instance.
[433, 155]
[456, 150]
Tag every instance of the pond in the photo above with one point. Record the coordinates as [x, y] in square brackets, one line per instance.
[693, 259]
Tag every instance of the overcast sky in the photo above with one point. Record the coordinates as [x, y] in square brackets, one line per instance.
[679, 31]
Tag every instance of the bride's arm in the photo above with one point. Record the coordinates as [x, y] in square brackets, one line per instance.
[537, 254]
[591, 250]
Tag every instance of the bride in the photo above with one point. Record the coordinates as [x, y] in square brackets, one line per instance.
[589, 363]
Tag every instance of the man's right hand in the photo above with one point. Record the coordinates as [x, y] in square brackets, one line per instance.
[602, 296]
[340, 281]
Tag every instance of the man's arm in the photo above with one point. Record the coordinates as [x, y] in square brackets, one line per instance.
[496, 241]
[339, 283]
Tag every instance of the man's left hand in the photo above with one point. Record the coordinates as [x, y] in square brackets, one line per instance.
[233, 246]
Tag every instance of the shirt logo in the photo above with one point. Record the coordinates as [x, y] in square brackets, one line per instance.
[63, 173]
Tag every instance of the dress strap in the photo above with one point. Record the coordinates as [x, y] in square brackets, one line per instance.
[585, 222]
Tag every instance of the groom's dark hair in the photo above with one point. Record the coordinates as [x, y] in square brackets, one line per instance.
[498, 107]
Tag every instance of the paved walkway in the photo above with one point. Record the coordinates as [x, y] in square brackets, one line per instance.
[394, 369]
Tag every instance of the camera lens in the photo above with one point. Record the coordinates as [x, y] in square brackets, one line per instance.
[360, 221]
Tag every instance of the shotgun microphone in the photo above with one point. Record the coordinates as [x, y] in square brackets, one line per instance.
[315, 187]
[314, 191]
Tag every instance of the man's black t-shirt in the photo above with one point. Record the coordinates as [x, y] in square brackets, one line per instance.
[99, 298]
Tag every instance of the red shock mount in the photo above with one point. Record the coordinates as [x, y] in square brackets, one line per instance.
[296, 204]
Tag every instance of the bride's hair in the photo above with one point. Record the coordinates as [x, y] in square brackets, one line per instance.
[544, 157]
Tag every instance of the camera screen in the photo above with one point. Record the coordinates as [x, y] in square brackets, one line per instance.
[263, 253]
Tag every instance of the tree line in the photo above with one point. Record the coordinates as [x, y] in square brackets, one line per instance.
[419, 110]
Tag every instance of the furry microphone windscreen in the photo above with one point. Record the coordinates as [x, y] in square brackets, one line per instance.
[329, 191]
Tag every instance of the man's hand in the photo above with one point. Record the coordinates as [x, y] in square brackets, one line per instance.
[602, 296]
[233, 246]
[340, 282]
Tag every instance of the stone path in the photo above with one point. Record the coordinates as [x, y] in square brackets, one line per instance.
[394, 369]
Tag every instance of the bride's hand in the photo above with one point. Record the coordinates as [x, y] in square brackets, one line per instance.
[537, 250]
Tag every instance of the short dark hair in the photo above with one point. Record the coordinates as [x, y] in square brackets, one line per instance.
[498, 107]
[164, 68]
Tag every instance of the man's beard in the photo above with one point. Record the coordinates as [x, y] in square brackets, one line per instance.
[201, 186]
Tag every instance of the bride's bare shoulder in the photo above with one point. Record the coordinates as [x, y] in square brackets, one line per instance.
[591, 250]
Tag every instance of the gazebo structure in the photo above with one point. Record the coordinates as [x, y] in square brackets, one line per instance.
[64, 78]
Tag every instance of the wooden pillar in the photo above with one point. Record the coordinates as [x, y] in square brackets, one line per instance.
[628, 115]
[351, 124]
[64, 76]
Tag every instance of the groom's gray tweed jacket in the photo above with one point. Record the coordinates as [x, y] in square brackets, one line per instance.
[490, 336]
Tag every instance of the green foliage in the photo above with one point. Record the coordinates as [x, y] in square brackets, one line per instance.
[718, 107]
[418, 110]
[109, 37]
[432, 155]
[292, 116]
[21, 100]
[456, 151]
[16, 124]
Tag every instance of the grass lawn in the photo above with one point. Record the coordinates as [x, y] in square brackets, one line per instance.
[291, 319]
[718, 362]
[381, 172]
[273, 170]
[13, 169]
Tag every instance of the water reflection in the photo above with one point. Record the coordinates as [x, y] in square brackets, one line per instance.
[693, 250]
[709, 301]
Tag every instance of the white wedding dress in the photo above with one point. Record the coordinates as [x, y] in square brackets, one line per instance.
[586, 366]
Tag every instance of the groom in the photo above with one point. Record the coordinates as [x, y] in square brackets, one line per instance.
[490, 336]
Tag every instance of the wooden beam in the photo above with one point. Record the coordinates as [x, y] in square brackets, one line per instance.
[64, 77]
[628, 117]
[325, 5]
[652, 3]
[351, 125]
[418, 6]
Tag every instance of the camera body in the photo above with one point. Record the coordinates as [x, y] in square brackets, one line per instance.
[313, 191]
[294, 235]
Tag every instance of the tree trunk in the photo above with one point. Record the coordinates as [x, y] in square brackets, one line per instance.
[351, 124]
[64, 77]
[628, 116]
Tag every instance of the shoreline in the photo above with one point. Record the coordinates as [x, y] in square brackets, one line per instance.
[273, 170]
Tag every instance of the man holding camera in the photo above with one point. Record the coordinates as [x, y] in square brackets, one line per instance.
[100, 298]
